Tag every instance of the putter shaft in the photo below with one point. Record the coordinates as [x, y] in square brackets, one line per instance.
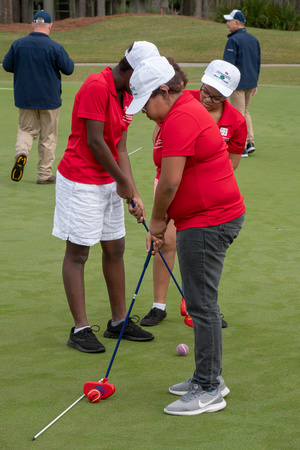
[162, 257]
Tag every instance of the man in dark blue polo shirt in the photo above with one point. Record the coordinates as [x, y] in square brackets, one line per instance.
[37, 63]
[243, 51]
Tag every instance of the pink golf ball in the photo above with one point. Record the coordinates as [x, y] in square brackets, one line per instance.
[182, 349]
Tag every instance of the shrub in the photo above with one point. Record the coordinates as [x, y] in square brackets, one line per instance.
[255, 12]
[288, 19]
[262, 14]
[223, 8]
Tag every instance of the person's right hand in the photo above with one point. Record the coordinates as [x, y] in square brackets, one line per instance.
[158, 243]
[124, 189]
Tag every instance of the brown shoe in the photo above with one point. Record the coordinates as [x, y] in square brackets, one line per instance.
[50, 180]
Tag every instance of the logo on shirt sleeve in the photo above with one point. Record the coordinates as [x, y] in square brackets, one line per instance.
[127, 117]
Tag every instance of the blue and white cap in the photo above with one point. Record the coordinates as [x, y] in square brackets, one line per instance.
[42, 17]
[236, 14]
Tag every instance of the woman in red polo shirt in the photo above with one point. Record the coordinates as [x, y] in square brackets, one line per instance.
[233, 129]
[198, 190]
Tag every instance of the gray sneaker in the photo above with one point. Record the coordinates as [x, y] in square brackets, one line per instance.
[184, 387]
[197, 401]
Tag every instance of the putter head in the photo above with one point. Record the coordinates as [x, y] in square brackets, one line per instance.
[104, 387]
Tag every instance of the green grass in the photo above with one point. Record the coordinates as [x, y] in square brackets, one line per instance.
[259, 297]
[187, 39]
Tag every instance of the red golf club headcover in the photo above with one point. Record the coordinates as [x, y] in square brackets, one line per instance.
[188, 321]
[104, 387]
[183, 308]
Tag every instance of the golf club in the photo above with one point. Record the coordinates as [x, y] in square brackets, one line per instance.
[162, 257]
[106, 389]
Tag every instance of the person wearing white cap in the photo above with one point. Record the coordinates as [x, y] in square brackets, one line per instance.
[198, 190]
[220, 79]
[93, 178]
[138, 51]
[243, 51]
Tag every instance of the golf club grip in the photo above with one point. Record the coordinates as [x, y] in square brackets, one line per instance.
[162, 257]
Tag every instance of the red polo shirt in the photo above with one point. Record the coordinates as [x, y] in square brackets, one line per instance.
[96, 100]
[232, 126]
[208, 193]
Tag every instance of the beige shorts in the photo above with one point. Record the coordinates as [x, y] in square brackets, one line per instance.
[86, 214]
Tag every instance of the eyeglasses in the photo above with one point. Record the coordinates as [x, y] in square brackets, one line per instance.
[214, 99]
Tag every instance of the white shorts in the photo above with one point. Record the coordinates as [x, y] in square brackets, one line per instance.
[86, 214]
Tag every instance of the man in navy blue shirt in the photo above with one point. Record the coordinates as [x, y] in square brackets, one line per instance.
[243, 51]
[37, 63]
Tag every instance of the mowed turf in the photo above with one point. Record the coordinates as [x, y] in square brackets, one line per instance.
[259, 297]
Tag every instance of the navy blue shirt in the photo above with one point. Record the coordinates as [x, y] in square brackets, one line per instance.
[243, 51]
[37, 62]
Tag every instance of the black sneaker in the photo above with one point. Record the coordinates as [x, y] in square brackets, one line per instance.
[250, 147]
[85, 340]
[132, 331]
[18, 169]
[224, 323]
[153, 317]
[245, 153]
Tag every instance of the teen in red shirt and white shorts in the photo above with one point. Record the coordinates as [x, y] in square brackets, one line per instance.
[94, 176]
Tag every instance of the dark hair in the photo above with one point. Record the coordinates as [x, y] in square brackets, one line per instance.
[124, 64]
[177, 83]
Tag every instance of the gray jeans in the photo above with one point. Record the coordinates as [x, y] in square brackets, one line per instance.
[201, 254]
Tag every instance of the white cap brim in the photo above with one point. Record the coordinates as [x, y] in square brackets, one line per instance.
[215, 84]
[227, 17]
[137, 104]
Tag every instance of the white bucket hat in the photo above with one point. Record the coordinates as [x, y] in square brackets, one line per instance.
[140, 51]
[148, 76]
[222, 76]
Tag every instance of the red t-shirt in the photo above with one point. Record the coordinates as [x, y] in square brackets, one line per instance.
[232, 126]
[96, 100]
[208, 193]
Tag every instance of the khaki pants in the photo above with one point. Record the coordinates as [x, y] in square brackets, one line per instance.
[34, 123]
[240, 99]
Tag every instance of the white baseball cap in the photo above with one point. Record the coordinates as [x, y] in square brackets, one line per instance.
[140, 51]
[149, 75]
[236, 14]
[222, 76]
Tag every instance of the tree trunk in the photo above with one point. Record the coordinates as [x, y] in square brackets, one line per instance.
[88, 11]
[206, 8]
[25, 12]
[100, 7]
[16, 11]
[186, 7]
[82, 8]
[6, 15]
[198, 8]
